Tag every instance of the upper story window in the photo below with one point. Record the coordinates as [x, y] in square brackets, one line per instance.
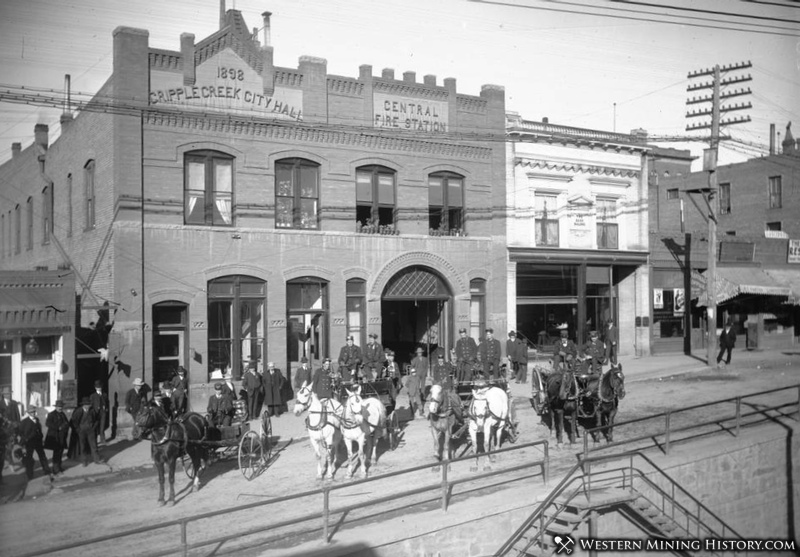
[607, 228]
[208, 188]
[296, 194]
[546, 220]
[69, 205]
[3, 235]
[88, 194]
[47, 213]
[446, 204]
[775, 192]
[477, 307]
[29, 227]
[17, 229]
[724, 199]
[375, 198]
[672, 193]
[356, 300]
[774, 226]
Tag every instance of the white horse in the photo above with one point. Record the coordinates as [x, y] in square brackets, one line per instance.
[324, 426]
[488, 413]
[364, 423]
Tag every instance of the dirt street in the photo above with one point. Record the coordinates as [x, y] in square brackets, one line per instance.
[105, 504]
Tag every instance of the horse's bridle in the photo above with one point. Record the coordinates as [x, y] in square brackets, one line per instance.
[444, 407]
[323, 413]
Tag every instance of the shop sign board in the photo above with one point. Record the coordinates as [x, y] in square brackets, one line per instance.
[794, 251]
[409, 113]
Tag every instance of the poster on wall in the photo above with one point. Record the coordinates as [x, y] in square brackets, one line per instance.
[679, 299]
[658, 298]
[794, 251]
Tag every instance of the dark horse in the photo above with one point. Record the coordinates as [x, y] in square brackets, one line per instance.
[444, 411]
[561, 397]
[606, 394]
[170, 439]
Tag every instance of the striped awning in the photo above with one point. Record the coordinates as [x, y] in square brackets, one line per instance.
[734, 281]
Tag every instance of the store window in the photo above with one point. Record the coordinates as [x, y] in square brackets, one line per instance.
[38, 361]
[669, 304]
[546, 220]
[477, 308]
[357, 310]
[297, 194]
[724, 199]
[170, 338]
[446, 204]
[774, 226]
[208, 188]
[607, 228]
[236, 324]
[88, 194]
[375, 198]
[307, 319]
[775, 192]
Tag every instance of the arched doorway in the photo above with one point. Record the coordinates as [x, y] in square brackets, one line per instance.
[416, 311]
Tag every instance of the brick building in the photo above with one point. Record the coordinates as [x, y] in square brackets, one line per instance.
[577, 233]
[218, 211]
[757, 253]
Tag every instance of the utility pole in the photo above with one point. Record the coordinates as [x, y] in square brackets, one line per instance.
[710, 166]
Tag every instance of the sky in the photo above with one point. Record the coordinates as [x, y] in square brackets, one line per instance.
[612, 65]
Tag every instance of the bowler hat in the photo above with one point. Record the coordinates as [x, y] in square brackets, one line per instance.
[59, 403]
[31, 409]
[372, 335]
[592, 333]
[98, 383]
[349, 337]
[390, 352]
[303, 360]
[217, 386]
[490, 330]
[85, 400]
[512, 334]
[181, 369]
[156, 394]
[462, 330]
[420, 350]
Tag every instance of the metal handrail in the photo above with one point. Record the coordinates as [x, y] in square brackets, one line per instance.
[444, 487]
[668, 429]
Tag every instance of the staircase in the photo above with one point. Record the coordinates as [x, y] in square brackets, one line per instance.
[637, 492]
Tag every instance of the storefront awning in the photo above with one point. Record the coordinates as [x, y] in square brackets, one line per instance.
[790, 278]
[36, 303]
[733, 281]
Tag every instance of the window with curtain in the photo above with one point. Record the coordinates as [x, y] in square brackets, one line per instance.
[208, 188]
[775, 192]
[724, 199]
[607, 229]
[297, 194]
[88, 194]
[307, 319]
[446, 204]
[29, 224]
[375, 197]
[357, 310]
[236, 323]
[47, 213]
[546, 219]
[477, 308]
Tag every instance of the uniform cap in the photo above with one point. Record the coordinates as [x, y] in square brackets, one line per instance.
[373, 335]
[390, 352]
[181, 369]
[462, 330]
[326, 360]
[593, 333]
[564, 334]
[156, 394]
[31, 409]
[512, 334]
[59, 403]
[490, 330]
[85, 400]
[349, 337]
[440, 355]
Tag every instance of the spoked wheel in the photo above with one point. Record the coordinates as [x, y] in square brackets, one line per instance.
[538, 393]
[393, 426]
[266, 436]
[188, 466]
[251, 455]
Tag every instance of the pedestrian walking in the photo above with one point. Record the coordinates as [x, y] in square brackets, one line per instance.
[421, 364]
[727, 340]
[414, 390]
[30, 435]
[611, 339]
[55, 440]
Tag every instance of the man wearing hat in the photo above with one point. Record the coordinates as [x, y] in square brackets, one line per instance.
[517, 355]
[414, 388]
[323, 384]
[56, 439]
[161, 405]
[373, 357]
[595, 351]
[84, 420]
[179, 386]
[273, 389]
[564, 351]
[302, 375]
[349, 360]
[466, 355]
[611, 339]
[392, 371]
[99, 401]
[136, 398]
[442, 372]
[30, 435]
[220, 408]
[421, 364]
[489, 354]
[251, 385]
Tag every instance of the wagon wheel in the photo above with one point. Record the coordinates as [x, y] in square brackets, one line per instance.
[266, 436]
[538, 393]
[251, 455]
[188, 466]
[393, 427]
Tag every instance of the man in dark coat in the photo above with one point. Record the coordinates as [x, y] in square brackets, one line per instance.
[273, 385]
[349, 360]
[85, 421]
[564, 351]
[251, 385]
[99, 401]
[466, 355]
[303, 374]
[442, 372]
[136, 398]
[9, 412]
[180, 387]
[489, 353]
[514, 349]
[220, 408]
[30, 434]
[611, 339]
[727, 340]
[373, 358]
[421, 364]
[595, 351]
[56, 439]
[323, 383]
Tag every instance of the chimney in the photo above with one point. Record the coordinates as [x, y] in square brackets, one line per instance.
[387, 73]
[187, 53]
[772, 139]
[364, 71]
[545, 120]
[40, 132]
[16, 149]
[429, 80]
[65, 121]
[221, 14]
[410, 77]
[267, 29]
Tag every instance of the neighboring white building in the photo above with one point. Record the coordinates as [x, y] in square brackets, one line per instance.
[577, 233]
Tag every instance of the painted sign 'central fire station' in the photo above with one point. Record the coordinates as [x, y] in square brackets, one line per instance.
[225, 83]
[406, 113]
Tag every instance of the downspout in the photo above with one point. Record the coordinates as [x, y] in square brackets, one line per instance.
[142, 293]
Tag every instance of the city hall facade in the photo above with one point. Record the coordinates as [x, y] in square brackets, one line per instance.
[214, 211]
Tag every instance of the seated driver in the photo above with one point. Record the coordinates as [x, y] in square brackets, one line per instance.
[220, 408]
